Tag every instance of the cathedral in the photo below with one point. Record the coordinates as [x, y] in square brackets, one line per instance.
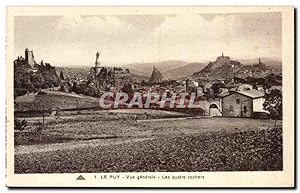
[113, 76]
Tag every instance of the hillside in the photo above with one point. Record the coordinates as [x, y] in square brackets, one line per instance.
[146, 68]
[138, 72]
[184, 71]
[28, 78]
[79, 72]
[176, 69]
[54, 100]
[224, 67]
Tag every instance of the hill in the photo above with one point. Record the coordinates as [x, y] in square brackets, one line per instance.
[29, 78]
[79, 72]
[47, 100]
[223, 67]
[138, 73]
[184, 71]
[176, 69]
[226, 68]
[146, 68]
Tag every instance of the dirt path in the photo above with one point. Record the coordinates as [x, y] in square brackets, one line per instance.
[252, 150]
[169, 119]
[79, 133]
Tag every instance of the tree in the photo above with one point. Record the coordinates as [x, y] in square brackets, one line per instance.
[216, 88]
[20, 125]
[127, 88]
[273, 104]
[37, 80]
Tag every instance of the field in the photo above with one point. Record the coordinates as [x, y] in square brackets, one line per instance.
[171, 142]
[53, 100]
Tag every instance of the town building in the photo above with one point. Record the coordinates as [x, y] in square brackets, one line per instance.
[199, 92]
[242, 103]
[191, 85]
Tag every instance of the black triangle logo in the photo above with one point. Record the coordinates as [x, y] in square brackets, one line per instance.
[80, 178]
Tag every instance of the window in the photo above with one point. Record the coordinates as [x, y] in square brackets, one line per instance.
[231, 108]
[245, 109]
[237, 101]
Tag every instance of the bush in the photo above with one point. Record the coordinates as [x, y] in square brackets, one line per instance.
[39, 127]
[20, 125]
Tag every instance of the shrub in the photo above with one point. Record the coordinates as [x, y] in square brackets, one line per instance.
[20, 124]
[39, 127]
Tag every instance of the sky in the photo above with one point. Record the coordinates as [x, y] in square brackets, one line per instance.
[122, 39]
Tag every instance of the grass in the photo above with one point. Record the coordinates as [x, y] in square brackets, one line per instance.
[54, 100]
[79, 128]
[248, 150]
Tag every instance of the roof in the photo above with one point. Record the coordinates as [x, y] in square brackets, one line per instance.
[223, 94]
[251, 93]
[248, 93]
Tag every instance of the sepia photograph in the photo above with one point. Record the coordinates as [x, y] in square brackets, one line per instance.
[154, 93]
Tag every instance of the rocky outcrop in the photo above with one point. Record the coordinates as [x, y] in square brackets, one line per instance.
[220, 62]
[156, 76]
[222, 68]
[225, 68]
[32, 78]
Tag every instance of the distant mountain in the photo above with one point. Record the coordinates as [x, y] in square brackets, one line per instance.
[137, 72]
[76, 71]
[184, 71]
[82, 72]
[146, 68]
[176, 69]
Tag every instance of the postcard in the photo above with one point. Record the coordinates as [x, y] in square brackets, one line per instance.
[173, 96]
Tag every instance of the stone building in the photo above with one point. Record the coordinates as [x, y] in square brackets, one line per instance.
[29, 57]
[242, 103]
[109, 78]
